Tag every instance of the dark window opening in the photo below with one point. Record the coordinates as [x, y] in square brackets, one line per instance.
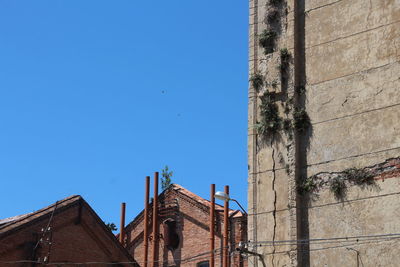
[203, 264]
[171, 238]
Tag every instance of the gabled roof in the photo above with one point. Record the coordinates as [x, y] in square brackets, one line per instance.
[188, 196]
[180, 189]
[11, 225]
[9, 220]
[14, 223]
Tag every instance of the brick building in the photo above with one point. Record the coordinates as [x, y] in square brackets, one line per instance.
[184, 238]
[68, 231]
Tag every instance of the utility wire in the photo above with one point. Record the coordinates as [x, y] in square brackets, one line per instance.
[300, 241]
[205, 256]
[334, 247]
[324, 205]
[196, 257]
[47, 227]
[328, 242]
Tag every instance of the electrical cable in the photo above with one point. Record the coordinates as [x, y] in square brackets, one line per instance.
[300, 241]
[334, 247]
[47, 227]
[204, 254]
[196, 257]
[324, 205]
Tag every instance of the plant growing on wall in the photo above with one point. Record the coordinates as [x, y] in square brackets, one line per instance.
[257, 81]
[285, 60]
[285, 55]
[274, 84]
[288, 128]
[288, 105]
[337, 182]
[267, 41]
[301, 120]
[338, 187]
[273, 15]
[300, 89]
[275, 2]
[359, 177]
[308, 185]
[270, 120]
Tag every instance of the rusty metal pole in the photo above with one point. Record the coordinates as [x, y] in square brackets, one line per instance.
[122, 225]
[155, 220]
[212, 223]
[226, 225]
[146, 220]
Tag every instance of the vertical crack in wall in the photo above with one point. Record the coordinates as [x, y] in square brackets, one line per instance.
[275, 197]
[369, 14]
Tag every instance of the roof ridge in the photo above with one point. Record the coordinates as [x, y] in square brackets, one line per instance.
[25, 216]
[203, 199]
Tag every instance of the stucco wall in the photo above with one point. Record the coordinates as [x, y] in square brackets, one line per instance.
[346, 53]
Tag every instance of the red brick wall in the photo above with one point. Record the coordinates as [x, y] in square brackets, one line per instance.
[72, 241]
[193, 230]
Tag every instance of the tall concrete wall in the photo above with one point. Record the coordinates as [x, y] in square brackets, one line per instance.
[344, 71]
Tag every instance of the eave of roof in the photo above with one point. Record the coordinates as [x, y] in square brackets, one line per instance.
[15, 223]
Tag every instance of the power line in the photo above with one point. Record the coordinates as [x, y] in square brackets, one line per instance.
[357, 240]
[334, 247]
[338, 239]
[204, 255]
[324, 205]
[196, 257]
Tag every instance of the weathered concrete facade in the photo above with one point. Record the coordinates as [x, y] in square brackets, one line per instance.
[344, 71]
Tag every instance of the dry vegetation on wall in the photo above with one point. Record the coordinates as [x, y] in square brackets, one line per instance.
[337, 183]
[267, 41]
[257, 81]
[270, 121]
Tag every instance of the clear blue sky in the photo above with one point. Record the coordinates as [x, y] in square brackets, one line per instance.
[95, 95]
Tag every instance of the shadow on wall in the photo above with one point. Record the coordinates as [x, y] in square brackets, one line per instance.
[173, 241]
